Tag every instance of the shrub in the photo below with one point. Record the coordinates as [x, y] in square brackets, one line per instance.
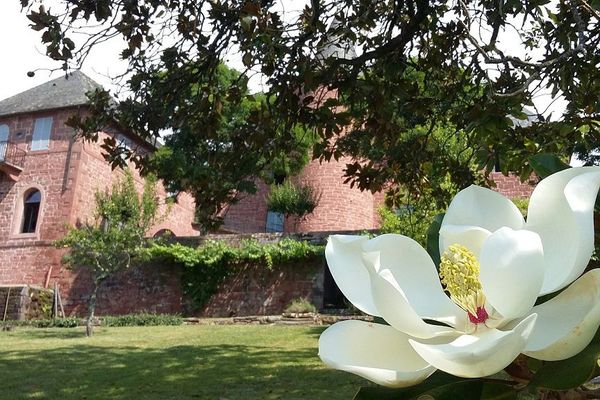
[522, 204]
[138, 319]
[300, 305]
[408, 221]
[292, 199]
[68, 322]
[142, 319]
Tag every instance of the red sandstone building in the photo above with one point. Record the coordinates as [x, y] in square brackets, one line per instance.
[340, 208]
[47, 181]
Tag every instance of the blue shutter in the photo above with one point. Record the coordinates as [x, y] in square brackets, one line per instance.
[274, 221]
[41, 134]
[3, 141]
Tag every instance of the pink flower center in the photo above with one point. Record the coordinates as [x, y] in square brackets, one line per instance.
[481, 316]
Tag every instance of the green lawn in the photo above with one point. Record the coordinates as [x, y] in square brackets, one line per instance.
[181, 362]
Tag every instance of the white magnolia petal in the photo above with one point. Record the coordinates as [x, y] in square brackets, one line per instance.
[344, 259]
[415, 273]
[561, 212]
[567, 323]
[472, 237]
[481, 354]
[512, 271]
[393, 306]
[376, 352]
[477, 206]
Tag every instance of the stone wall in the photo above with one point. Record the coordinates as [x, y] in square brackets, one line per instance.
[25, 303]
[255, 290]
[340, 206]
[152, 288]
[68, 174]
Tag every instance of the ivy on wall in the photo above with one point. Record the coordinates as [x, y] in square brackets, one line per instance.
[207, 266]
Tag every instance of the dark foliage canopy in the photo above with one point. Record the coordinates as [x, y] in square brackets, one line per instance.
[373, 79]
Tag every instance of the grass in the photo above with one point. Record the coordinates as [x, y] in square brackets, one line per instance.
[169, 362]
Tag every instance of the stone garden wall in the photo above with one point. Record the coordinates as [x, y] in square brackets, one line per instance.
[25, 302]
[255, 290]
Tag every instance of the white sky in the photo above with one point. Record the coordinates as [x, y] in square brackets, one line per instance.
[21, 51]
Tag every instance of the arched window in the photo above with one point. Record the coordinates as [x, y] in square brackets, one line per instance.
[164, 233]
[31, 210]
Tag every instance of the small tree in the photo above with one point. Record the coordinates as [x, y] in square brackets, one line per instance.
[115, 237]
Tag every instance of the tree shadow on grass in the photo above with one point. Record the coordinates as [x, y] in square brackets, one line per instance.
[224, 372]
[66, 334]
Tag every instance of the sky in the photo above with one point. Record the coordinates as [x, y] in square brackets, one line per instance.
[21, 51]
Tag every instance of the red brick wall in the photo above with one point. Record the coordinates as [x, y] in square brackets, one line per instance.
[255, 290]
[46, 170]
[68, 176]
[250, 214]
[151, 288]
[95, 174]
[340, 207]
[511, 186]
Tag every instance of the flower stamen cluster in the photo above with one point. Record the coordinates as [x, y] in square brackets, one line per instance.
[459, 273]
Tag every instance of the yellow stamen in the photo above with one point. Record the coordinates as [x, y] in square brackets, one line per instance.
[459, 273]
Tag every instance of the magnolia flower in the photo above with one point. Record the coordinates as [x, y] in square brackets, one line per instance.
[479, 313]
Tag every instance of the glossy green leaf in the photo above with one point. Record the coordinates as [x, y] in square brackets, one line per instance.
[493, 391]
[569, 373]
[545, 164]
[433, 238]
[442, 386]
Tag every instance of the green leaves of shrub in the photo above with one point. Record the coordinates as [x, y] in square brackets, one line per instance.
[67, 322]
[292, 199]
[300, 305]
[142, 319]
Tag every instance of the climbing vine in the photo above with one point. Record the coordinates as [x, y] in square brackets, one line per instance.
[207, 266]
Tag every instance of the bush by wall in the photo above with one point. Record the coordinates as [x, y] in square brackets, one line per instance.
[138, 319]
[293, 199]
[142, 319]
[68, 322]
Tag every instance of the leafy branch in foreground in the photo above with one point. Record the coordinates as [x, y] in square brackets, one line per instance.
[423, 65]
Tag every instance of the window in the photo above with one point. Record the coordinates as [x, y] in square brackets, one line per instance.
[125, 146]
[275, 221]
[41, 134]
[3, 141]
[31, 210]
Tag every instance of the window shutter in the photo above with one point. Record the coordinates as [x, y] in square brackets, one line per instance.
[41, 134]
[3, 141]
[275, 221]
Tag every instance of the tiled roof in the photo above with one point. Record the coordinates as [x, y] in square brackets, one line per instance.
[58, 93]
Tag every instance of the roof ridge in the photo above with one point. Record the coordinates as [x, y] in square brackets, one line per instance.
[65, 91]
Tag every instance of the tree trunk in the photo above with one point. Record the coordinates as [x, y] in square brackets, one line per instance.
[89, 326]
